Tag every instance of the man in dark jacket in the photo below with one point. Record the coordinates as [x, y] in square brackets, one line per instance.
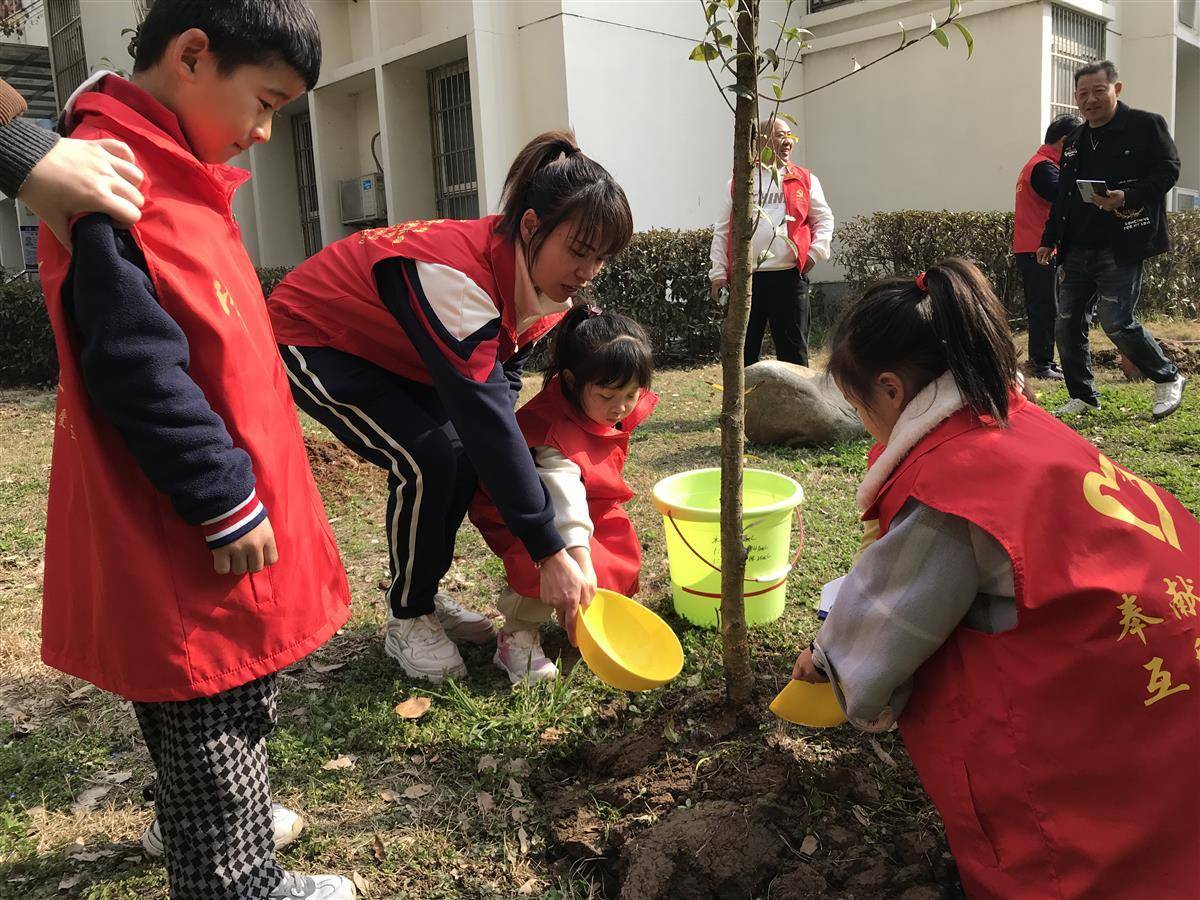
[1103, 241]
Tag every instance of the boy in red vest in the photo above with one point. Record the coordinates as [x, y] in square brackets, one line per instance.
[188, 557]
[1037, 186]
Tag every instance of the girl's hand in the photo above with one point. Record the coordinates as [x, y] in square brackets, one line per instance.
[562, 588]
[252, 552]
[805, 670]
[84, 177]
[583, 559]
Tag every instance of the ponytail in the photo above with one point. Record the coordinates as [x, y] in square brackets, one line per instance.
[952, 322]
[599, 347]
[555, 179]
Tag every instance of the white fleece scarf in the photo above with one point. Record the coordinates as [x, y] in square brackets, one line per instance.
[936, 402]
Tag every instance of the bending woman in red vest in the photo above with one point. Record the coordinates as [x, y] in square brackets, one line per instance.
[1027, 613]
[407, 342]
[596, 391]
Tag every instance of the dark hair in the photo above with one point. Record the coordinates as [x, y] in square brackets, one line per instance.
[958, 325]
[240, 33]
[1062, 126]
[1105, 66]
[599, 347]
[553, 177]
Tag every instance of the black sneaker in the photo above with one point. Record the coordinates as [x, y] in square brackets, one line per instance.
[1047, 373]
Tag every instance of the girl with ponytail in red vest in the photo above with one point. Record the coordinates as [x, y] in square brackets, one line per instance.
[596, 391]
[1025, 611]
[408, 343]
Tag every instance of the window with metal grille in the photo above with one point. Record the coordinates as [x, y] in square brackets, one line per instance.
[141, 7]
[1077, 40]
[306, 183]
[457, 189]
[66, 46]
[818, 5]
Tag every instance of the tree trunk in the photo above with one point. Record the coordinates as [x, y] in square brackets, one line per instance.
[734, 644]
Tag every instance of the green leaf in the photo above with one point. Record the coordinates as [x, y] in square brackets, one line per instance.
[729, 4]
[766, 155]
[710, 9]
[932, 24]
[772, 57]
[705, 52]
[966, 37]
[778, 91]
[903, 34]
[955, 8]
[725, 40]
[941, 38]
[787, 116]
[744, 93]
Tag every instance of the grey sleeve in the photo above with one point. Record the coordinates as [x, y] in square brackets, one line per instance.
[900, 602]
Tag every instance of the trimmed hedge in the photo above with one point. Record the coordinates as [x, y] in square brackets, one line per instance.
[889, 243]
[661, 280]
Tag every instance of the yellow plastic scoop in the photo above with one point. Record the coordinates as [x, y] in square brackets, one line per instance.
[627, 645]
[808, 704]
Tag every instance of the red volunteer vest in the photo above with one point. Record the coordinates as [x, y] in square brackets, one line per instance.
[132, 603]
[1063, 755]
[331, 299]
[1031, 211]
[797, 184]
[550, 420]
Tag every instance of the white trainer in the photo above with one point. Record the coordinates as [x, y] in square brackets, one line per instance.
[462, 624]
[1076, 407]
[1168, 397]
[520, 655]
[285, 824]
[295, 886]
[422, 648]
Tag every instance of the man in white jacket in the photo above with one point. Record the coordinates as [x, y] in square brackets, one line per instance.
[792, 233]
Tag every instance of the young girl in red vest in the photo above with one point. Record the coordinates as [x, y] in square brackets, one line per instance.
[1026, 612]
[408, 343]
[596, 391]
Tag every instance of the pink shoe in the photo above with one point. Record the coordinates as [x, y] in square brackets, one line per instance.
[520, 655]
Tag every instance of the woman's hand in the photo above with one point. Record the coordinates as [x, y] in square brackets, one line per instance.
[564, 589]
[84, 177]
[806, 670]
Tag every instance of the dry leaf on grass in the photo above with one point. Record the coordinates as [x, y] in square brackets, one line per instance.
[515, 789]
[529, 887]
[882, 754]
[325, 668]
[377, 849]
[119, 777]
[417, 791]
[809, 845]
[551, 735]
[69, 882]
[87, 801]
[359, 882]
[517, 766]
[524, 839]
[861, 815]
[81, 692]
[519, 815]
[389, 796]
[413, 707]
[487, 763]
[485, 801]
[342, 762]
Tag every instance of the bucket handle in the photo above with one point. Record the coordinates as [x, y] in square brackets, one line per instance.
[778, 577]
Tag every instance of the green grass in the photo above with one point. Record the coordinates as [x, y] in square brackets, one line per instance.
[479, 737]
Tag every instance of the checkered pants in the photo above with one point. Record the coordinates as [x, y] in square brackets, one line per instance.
[212, 797]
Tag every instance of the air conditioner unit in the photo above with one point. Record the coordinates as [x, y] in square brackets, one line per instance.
[362, 199]
[1186, 198]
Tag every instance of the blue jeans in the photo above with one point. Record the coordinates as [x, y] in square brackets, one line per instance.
[1093, 284]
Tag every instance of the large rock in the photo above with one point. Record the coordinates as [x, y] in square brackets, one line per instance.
[796, 406]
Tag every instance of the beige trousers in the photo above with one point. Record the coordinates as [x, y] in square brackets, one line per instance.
[522, 613]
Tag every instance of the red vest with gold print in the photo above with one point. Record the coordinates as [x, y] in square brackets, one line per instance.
[550, 420]
[1031, 209]
[1064, 754]
[132, 603]
[797, 183]
[331, 299]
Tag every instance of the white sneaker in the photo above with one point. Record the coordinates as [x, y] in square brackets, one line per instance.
[1076, 407]
[462, 624]
[285, 824]
[421, 647]
[520, 655]
[295, 886]
[1167, 397]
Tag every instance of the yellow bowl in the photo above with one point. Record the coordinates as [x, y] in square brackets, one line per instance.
[808, 704]
[626, 645]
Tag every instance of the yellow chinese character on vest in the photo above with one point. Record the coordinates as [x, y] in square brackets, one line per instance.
[1160, 682]
[1133, 620]
[1183, 596]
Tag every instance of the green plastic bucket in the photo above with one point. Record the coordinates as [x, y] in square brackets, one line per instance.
[690, 503]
